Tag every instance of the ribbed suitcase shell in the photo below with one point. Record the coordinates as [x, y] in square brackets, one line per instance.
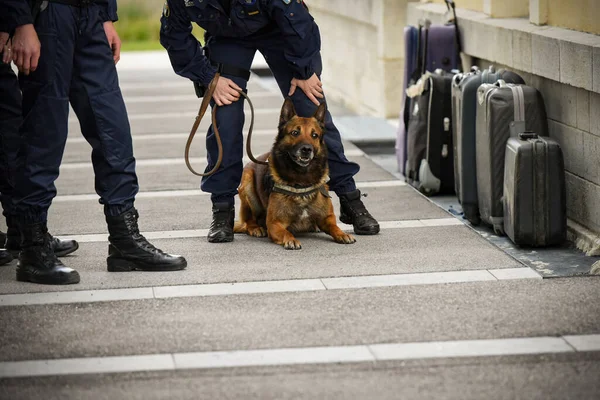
[495, 113]
[534, 198]
[464, 117]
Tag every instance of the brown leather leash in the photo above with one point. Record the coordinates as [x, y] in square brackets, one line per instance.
[203, 107]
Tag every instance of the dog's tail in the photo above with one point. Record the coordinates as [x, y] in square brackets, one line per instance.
[240, 227]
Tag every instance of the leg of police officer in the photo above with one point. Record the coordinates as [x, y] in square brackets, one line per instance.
[223, 184]
[341, 170]
[10, 120]
[44, 133]
[96, 98]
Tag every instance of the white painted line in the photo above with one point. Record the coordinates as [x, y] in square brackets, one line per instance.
[192, 233]
[185, 114]
[470, 348]
[429, 278]
[252, 287]
[291, 356]
[442, 222]
[197, 192]
[515, 273]
[76, 296]
[224, 289]
[371, 353]
[95, 365]
[584, 342]
[354, 153]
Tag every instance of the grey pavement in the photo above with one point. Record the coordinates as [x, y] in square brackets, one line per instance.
[454, 286]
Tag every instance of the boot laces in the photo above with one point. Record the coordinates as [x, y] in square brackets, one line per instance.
[134, 230]
[356, 207]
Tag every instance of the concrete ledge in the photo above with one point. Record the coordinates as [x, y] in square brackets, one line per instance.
[585, 240]
[559, 54]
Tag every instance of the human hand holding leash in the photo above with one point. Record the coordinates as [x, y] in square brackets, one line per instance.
[226, 92]
[113, 40]
[312, 87]
[26, 48]
[5, 47]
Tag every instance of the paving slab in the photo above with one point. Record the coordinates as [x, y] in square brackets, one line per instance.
[175, 175]
[393, 251]
[482, 310]
[158, 214]
[493, 378]
[169, 146]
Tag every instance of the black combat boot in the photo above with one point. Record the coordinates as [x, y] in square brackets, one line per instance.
[354, 212]
[221, 228]
[13, 241]
[37, 261]
[128, 250]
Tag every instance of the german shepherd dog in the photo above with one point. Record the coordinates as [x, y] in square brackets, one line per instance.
[290, 195]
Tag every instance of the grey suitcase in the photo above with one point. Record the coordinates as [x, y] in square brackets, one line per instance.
[502, 108]
[534, 201]
[464, 117]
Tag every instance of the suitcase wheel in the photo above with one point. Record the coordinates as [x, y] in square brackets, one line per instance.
[472, 214]
[499, 229]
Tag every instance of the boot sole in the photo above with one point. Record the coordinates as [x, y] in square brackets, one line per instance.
[122, 265]
[372, 231]
[63, 279]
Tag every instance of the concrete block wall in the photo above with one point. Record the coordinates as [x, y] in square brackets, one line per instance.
[363, 53]
[565, 66]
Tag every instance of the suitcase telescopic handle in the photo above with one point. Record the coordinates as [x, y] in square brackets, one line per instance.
[528, 135]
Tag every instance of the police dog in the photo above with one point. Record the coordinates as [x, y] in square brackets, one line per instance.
[290, 195]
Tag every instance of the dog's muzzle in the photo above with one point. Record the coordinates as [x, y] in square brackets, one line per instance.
[303, 154]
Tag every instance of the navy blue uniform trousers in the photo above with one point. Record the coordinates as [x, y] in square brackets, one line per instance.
[240, 52]
[76, 67]
[10, 121]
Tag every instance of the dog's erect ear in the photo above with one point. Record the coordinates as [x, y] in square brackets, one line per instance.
[287, 111]
[320, 113]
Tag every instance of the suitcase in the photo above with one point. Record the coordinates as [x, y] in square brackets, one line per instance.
[430, 163]
[534, 198]
[501, 109]
[464, 117]
[443, 52]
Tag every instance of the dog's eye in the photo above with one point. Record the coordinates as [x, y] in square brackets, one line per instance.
[314, 135]
[294, 133]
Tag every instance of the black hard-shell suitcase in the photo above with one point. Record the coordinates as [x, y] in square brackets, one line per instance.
[430, 163]
[534, 191]
[501, 109]
[464, 117]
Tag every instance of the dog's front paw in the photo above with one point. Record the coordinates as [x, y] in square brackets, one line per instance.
[292, 244]
[258, 232]
[345, 239]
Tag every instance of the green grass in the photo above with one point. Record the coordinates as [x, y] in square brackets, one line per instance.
[139, 28]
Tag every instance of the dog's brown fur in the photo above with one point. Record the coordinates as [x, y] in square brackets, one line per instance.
[276, 214]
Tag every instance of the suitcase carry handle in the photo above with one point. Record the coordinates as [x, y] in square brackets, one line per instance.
[528, 135]
[501, 83]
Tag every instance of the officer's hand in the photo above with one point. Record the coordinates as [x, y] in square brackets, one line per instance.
[312, 87]
[26, 48]
[113, 40]
[5, 47]
[226, 92]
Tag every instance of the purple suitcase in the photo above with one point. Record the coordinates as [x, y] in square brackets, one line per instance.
[442, 53]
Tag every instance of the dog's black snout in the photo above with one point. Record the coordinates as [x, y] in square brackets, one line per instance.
[306, 150]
